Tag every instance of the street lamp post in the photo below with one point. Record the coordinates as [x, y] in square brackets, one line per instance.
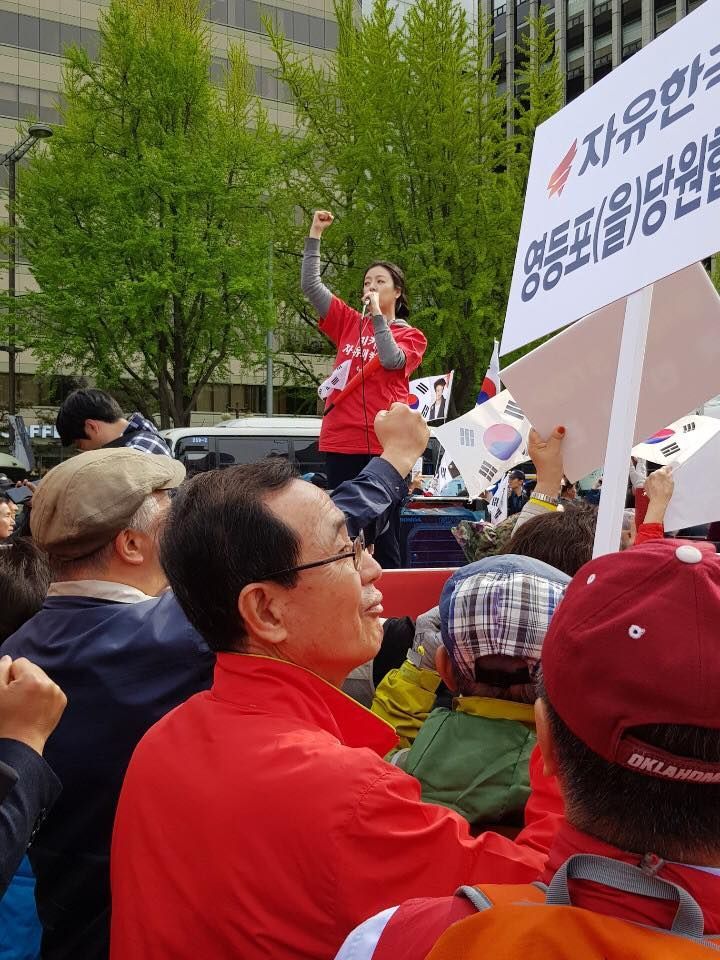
[37, 131]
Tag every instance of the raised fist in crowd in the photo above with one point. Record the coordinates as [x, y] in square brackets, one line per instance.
[30, 703]
[403, 435]
[322, 219]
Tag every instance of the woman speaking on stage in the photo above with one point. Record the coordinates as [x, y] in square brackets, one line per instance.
[376, 353]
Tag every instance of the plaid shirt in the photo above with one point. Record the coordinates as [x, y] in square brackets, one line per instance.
[142, 435]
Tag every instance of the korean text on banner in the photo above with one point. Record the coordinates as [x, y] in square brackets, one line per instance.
[624, 183]
[486, 442]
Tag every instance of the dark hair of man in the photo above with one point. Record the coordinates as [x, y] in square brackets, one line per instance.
[219, 536]
[402, 305]
[563, 538]
[82, 405]
[678, 821]
[442, 382]
[24, 582]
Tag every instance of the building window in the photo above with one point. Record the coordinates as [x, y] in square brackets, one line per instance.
[49, 36]
[664, 15]
[9, 28]
[29, 102]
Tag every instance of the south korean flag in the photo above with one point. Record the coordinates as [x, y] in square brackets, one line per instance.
[499, 503]
[336, 381]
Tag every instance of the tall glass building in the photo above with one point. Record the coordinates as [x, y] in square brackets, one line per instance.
[593, 35]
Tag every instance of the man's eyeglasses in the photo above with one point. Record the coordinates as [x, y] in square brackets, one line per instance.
[358, 546]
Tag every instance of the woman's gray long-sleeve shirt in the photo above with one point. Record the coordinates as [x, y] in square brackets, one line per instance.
[389, 353]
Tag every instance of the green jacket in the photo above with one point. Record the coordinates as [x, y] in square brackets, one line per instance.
[474, 759]
[404, 699]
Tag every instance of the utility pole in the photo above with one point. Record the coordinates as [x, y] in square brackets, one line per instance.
[37, 131]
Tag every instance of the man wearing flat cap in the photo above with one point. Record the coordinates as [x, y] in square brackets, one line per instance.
[114, 638]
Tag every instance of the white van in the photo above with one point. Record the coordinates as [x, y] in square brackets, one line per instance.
[251, 438]
[247, 440]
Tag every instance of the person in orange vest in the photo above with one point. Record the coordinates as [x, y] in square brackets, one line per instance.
[628, 720]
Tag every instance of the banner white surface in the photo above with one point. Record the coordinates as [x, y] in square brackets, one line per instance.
[624, 183]
[570, 380]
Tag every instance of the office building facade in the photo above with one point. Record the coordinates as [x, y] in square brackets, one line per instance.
[33, 35]
[593, 36]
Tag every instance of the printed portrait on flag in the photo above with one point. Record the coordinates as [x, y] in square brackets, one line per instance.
[431, 397]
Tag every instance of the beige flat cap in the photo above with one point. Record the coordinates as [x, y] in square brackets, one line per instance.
[86, 501]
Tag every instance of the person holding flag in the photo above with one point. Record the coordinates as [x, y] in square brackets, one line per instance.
[377, 350]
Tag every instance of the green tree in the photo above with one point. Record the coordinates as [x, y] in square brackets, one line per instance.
[147, 222]
[404, 137]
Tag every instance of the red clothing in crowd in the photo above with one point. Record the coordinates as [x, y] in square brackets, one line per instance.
[417, 925]
[258, 820]
[343, 429]
[647, 532]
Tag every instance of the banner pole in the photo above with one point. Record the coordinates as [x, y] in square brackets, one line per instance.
[622, 421]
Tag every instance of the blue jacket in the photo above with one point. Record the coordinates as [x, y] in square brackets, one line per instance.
[28, 788]
[122, 666]
[370, 499]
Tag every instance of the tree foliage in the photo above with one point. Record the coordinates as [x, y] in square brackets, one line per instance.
[404, 137]
[147, 221]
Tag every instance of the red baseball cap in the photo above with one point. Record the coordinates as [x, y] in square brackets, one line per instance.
[636, 641]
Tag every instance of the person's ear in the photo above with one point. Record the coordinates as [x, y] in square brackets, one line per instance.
[91, 429]
[133, 547]
[263, 610]
[444, 666]
[545, 738]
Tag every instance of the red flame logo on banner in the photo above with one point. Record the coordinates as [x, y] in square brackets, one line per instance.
[556, 183]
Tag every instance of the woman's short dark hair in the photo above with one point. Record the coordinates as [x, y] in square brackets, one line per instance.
[402, 306]
[24, 583]
[562, 538]
[82, 405]
[219, 536]
[676, 820]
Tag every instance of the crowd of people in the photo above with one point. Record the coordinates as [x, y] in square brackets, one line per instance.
[184, 750]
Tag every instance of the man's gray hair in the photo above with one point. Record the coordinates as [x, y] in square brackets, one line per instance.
[144, 520]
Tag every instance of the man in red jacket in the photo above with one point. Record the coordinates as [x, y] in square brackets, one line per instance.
[258, 819]
[629, 719]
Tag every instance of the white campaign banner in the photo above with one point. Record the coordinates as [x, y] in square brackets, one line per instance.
[678, 442]
[624, 185]
[486, 442]
[431, 396]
